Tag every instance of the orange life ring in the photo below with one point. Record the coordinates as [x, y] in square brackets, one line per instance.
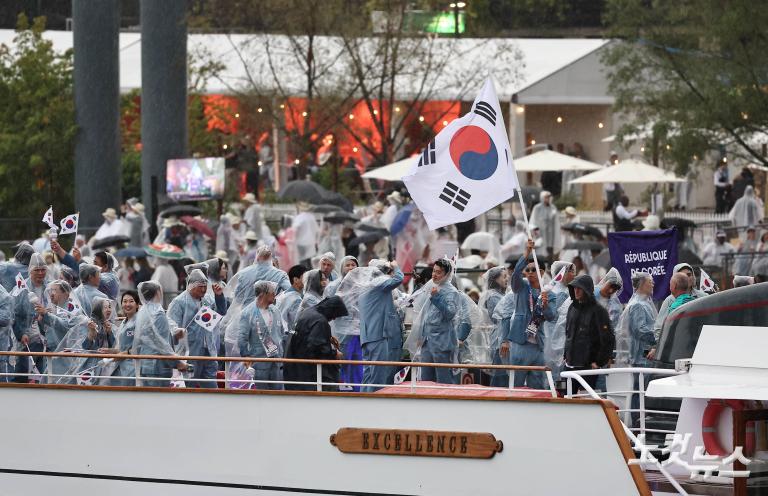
[710, 420]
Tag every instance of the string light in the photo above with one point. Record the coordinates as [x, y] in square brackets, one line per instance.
[642, 148]
[520, 109]
[695, 157]
[533, 142]
[259, 110]
[375, 112]
[559, 120]
[445, 123]
[397, 109]
[282, 105]
[599, 125]
[725, 160]
[237, 116]
[260, 163]
[668, 147]
[744, 116]
[421, 118]
[304, 114]
[351, 116]
[354, 149]
[296, 161]
[224, 146]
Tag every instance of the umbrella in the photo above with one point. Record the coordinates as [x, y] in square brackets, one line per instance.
[629, 171]
[339, 200]
[401, 219]
[584, 245]
[163, 250]
[603, 259]
[131, 252]
[326, 208]
[584, 229]
[178, 210]
[340, 217]
[677, 222]
[530, 195]
[684, 255]
[364, 239]
[199, 225]
[110, 241]
[548, 160]
[392, 172]
[307, 191]
[482, 241]
[365, 227]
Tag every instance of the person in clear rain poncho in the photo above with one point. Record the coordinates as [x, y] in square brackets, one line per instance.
[381, 336]
[554, 330]
[60, 315]
[109, 283]
[130, 304]
[6, 334]
[747, 211]
[634, 336]
[545, 216]
[90, 278]
[288, 302]
[153, 336]
[26, 323]
[347, 328]
[745, 254]
[665, 306]
[99, 337]
[262, 270]
[260, 335]
[315, 282]
[433, 329]
[496, 282]
[201, 341]
[607, 295]
[327, 265]
[20, 264]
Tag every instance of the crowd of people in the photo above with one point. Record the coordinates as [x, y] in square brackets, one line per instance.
[375, 287]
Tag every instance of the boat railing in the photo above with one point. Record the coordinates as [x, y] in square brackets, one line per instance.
[636, 435]
[235, 368]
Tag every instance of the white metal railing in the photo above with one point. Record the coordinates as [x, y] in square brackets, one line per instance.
[641, 372]
[240, 382]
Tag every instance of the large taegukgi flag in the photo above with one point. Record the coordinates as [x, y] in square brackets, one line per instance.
[467, 168]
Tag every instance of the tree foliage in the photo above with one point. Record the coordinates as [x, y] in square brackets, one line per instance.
[37, 124]
[692, 76]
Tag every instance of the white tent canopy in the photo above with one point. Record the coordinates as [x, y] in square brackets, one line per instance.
[629, 171]
[549, 160]
[392, 172]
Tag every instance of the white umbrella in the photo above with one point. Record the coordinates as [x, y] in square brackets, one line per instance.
[391, 172]
[548, 160]
[629, 171]
[482, 241]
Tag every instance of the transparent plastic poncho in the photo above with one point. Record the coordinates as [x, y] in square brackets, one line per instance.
[355, 283]
[623, 338]
[153, 334]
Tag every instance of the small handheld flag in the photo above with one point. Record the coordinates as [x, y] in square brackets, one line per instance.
[207, 318]
[48, 217]
[21, 285]
[401, 375]
[558, 277]
[85, 378]
[69, 224]
[72, 306]
[706, 283]
[467, 168]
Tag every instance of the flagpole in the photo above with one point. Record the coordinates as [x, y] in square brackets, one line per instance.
[76, 228]
[528, 229]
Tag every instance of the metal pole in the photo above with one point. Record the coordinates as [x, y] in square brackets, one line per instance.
[641, 388]
[528, 229]
[319, 377]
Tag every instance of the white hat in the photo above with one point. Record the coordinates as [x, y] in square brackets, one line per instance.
[303, 206]
[138, 208]
[222, 255]
[652, 223]
[570, 211]
[109, 214]
[395, 197]
[378, 207]
[251, 236]
[171, 221]
[250, 198]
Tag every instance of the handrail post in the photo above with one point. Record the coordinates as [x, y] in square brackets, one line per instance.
[49, 366]
[413, 379]
[551, 381]
[641, 389]
[511, 379]
[226, 375]
[319, 377]
[569, 388]
[137, 371]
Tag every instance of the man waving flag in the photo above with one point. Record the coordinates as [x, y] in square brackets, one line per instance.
[467, 168]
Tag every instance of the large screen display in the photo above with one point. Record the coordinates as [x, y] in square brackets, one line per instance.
[195, 178]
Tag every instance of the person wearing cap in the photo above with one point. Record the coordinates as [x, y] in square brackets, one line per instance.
[545, 215]
[251, 245]
[381, 337]
[306, 231]
[112, 226]
[713, 252]
[138, 226]
[395, 203]
[201, 341]
[252, 214]
[19, 265]
[260, 335]
[26, 325]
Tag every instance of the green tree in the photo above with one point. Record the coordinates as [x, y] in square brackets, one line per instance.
[37, 125]
[691, 76]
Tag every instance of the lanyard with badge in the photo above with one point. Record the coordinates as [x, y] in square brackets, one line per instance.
[270, 348]
[532, 330]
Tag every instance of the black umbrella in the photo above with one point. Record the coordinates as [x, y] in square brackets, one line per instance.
[102, 243]
[366, 238]
[603, 259]
[366, 227]
[584, 230]
[179, 210]
[132, 252]
[340, 200]
[684, 255]
[307, 191]
[530, 195]
[584, 245]
[340, 217]
[326, 208]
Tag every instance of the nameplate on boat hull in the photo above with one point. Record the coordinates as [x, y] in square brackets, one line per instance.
[416, 443]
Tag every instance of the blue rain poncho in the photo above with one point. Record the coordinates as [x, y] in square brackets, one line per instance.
[635, 332]
[153, 335]
[313, 289]
[554, 330]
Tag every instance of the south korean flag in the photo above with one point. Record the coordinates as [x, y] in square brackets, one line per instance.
[207, 318]
[20, 285]
[467, 168]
